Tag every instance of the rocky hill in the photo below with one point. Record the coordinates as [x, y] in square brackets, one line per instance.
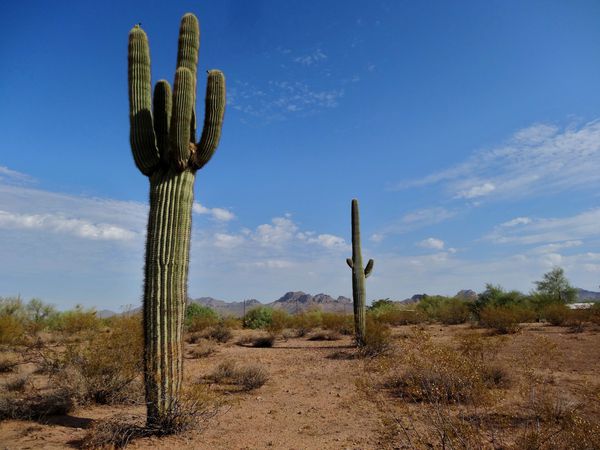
[291, 302]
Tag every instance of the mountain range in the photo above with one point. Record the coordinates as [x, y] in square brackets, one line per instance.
[298, 301]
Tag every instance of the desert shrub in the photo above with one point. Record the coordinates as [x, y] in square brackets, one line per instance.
[378, 339]
[259, 317]
[437, 373]
[556, 313]
[37, 406]
[39, 315]
[12, 330]
[246, 377]
[191, 411]
[233, 323]
[325, 335]
[453, 311]
[340, 323]
[203, 349]
[219, 333]
[279, 320]
[104, 367]
[502, 319]
[263, 341]
[251, 377]
[306, 321]
[75, 321]
[224, 371]
[199, 317]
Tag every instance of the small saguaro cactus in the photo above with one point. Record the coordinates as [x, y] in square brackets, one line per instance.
[163, 143]
[358, 278]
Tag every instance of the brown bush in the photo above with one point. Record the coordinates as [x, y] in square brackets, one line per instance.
[104, 368]
[77, 320]
[401, 316]
[203, 349]
[246, 377]
[325, 335]
[37, 406]
[219, 333]
[251, 377]
[556, 314]
[263, 341]
[502, 319]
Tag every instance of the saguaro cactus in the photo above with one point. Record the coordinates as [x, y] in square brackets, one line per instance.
[358, 278]
[163, 143]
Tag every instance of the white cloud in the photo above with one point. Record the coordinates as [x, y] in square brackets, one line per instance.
[12, 176]
[277, 100]
[224, 240]
[278, 232]
[414, 220]
[539, 160]
[312, 58]
[220, 214]
[60, 224]
[516, 221]
[544, 231]
[432, 243]
[330, 241]
[554, 247]
[476, 191]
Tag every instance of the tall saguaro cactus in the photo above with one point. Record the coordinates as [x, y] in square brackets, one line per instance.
[358, 278]
[163, 143]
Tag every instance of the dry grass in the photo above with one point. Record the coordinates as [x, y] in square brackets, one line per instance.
[325, 335]
[247, 378]
[8, 363]
[203, 349]
[37, 406]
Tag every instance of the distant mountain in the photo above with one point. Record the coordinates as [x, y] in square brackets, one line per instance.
[291, 302]
[227, 308]
[583, 295]
[299, 301]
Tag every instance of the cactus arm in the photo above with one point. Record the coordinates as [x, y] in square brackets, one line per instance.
[187, 56]
[162, 116]
[214, 112]
[181, 115]
[350, 263]
[369, 268]
[141, 132]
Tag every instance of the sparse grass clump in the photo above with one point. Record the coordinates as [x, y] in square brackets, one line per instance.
[17, 385]
[246, 378]
[325, 335]
[203, 349]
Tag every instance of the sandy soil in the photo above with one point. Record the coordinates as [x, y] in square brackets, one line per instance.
[311, 401]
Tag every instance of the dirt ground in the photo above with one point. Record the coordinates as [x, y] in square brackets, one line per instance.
[312, 400]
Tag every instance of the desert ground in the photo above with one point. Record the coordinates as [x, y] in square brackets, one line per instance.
[321, 394]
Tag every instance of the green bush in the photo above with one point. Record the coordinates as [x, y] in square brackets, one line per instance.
[453, 311]
[338, 323]
[260, 317]
[75, 321]
[199, 317]
[279, 321]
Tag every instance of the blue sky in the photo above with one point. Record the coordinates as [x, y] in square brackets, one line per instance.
[469, 132]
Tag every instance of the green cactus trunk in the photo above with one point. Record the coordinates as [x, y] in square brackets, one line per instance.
[359, 275]
[163, 143]
[165, 288]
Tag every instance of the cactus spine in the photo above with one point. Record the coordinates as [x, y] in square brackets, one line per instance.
[358, 278]
[163, 143]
